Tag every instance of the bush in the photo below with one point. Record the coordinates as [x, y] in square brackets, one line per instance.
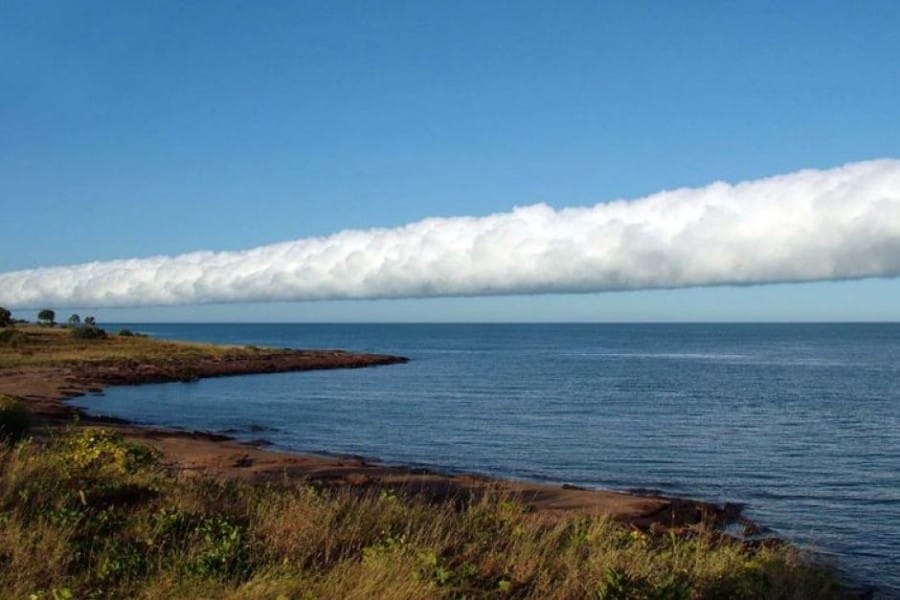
[5, 317]
[102, 449]
[47, 317]
[13, 338]
[130, 333]
[88, 332]
[15, 419]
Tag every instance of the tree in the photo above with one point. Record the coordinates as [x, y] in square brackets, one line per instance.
[47, 317]
[5, 317]
[87, 329]
[74, 320]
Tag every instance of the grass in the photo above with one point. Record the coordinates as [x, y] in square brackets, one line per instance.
[34, 346]
[87, 514]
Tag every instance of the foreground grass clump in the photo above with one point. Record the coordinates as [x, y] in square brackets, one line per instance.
[91, 515]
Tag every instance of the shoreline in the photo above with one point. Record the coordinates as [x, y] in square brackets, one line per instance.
[46, 389]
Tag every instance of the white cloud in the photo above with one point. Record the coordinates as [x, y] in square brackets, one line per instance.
[840, 223]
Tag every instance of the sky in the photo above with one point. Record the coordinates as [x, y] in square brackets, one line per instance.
[131, 130]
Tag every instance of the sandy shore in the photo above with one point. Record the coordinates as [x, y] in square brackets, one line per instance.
[46, 388]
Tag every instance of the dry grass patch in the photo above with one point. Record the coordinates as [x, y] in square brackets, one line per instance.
[34, 346]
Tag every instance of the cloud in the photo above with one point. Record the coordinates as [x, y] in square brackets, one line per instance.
[841, 223]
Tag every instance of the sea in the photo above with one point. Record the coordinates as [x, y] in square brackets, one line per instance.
[800, 423]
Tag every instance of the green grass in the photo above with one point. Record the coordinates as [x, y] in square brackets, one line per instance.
[89, 515]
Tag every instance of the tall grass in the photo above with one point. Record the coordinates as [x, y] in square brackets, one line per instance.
[91, 515]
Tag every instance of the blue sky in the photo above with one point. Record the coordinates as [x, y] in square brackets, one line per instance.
[136, 129]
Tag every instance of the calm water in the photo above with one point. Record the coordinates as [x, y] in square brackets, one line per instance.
[800, 422]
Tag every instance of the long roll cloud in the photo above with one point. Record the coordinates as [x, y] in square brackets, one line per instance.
[841, 223]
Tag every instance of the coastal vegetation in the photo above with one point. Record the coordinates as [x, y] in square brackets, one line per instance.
[12, 338]
[87, 330]
[86, 513]
[43, 346]
[137, 358]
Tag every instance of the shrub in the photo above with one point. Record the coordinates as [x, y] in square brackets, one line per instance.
[5, 317]
[13, 338]
[102, 449]
[126, 333]
[15, 419]
[88, 332]
[224, 550]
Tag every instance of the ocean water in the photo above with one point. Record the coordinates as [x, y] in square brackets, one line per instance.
[800, 422]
